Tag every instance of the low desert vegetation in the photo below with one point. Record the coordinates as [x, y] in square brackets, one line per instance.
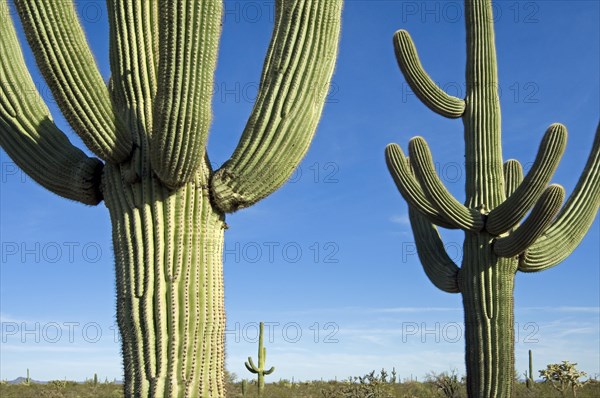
[562, 381]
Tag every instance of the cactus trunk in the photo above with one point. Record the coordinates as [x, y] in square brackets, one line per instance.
[170, 312]
[487, 284]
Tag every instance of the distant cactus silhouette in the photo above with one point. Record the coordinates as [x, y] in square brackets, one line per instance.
[529, 381]
[149, 126]
[497, 198]
[262, 357]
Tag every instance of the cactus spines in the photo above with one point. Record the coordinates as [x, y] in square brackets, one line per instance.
[149, 127]
[259, 370]
[498, 197]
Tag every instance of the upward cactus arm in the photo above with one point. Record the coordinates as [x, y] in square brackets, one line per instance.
[252, 368]
[188, 46]
[29, 136]
[513, 176]
[438, 266]
[512, 210]
[540, 218]
[573, 221]
[451, 209]
[409, 188]
[420, 82]
[58, 42]
[134, 59]
[292, 93]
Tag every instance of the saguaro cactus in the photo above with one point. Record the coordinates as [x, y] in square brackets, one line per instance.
[529, 381]
[149, 126]
[497, 198]
[262, 357]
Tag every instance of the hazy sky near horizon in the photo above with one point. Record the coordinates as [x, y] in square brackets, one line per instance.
[328, 261]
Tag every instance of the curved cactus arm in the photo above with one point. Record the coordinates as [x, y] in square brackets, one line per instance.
[62, 53]
[251, 366]
[411, 191]
[512, 210]
[438, 266]
[513, 176]
[268, 372]
[534, 226]
[451, 209]
[420, 82]
[133, 61]
[189, 32]
[29, 136]
[293, 88]
[573, 221]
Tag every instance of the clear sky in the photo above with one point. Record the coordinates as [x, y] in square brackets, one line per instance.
[329, 259]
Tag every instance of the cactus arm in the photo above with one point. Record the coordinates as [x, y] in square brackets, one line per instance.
[29, 136]
[133, 61]
[513, 176]
[399, 167]
[451, 209]
[420, 82]
[268, 372]
[250, 366]
[292, 92]
[534, 226]
[438, 266]
[573, 221]
[61, 51]
[190, 32]
[512, 210]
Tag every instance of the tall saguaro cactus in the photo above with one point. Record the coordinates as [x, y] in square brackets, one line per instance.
[149, 127]
[497, 198]
[259, 370]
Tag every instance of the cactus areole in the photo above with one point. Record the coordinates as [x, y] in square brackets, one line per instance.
[497, 198]
[148, 127]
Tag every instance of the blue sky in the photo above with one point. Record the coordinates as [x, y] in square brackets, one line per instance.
[328, 261]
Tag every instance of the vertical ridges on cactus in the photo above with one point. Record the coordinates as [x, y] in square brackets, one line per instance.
[151, 125]
[573, 221]
[438, 265]
[292, 91]
[420, 82]
[512, 210]
[171, 289]
[262, 357]
[529, 377]
[541, 216]
[62, 53]
[497, 198]
[421, 160]
[399, 167]
[28, 134]
[189, 42]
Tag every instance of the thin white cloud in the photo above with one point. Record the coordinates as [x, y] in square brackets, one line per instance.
[400, 219]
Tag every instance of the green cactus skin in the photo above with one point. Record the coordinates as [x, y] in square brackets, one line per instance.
[262, 357]
[529, 381]
[498, 197]
[149, 126]
[244, 387]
